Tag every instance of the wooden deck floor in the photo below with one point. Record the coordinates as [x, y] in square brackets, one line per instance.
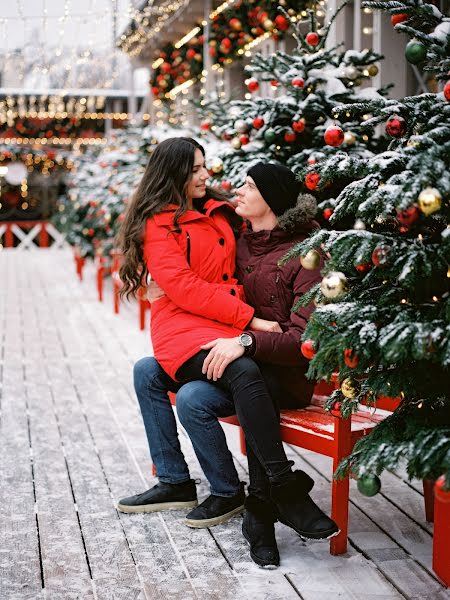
[72, 443]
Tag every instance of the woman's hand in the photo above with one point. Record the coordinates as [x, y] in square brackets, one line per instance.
[257, 324]
[154, 292]
[222, 352]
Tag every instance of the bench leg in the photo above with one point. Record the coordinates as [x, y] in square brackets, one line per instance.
[339, 512]
[100, 283]
[116, 298]
[441, 555]
[428, 496]
[142, 314]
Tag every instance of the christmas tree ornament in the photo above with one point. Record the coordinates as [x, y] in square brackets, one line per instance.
[408, 216]
[359, 225]
[350, 358]
[442, 492]
[308, 349]
[312, 38]
[369, 485]
[281, 23]
[396, 126]
[298, 82]
[258, 122]
[226, 185]
[381, 255]
[373, 70]
[333, 136]
[236, 144]
[244, 139]
[241, 126]
[447, 91]
[430, 201]
[350, 72]
[312, 181]
[274, 83]
[363, 267]
[268, 24]
[270, 136]
[334, 285]
[299, 126]
[349, 138]
[290, 137]
[399, 18]
[311, 161]
[217, 165]
[253, 84]
[327, 212]
[235, 24]
[415, 52]
[205, 125]
[350, 387]
[311, 260]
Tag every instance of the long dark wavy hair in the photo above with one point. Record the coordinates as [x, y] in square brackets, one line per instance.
[165, 181]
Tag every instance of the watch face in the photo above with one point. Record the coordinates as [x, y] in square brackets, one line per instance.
[245, 339]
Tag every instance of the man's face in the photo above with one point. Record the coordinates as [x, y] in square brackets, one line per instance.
[249, 202]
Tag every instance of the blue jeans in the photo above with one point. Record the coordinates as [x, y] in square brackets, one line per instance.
[198, 406]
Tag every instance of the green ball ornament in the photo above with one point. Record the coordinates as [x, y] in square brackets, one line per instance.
[369, 485]
[270, 136]
[415, 52]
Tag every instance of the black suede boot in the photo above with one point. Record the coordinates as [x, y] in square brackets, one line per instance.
[297, 510]
[259, 531]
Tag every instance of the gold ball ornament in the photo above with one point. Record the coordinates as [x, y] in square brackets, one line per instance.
[217, 166]
[359, 225]
[373, 70]
[268, 24]
[311, 260]
[236, 144]
[334, 285]
[430, 200]
[350, 387]
[349, 138]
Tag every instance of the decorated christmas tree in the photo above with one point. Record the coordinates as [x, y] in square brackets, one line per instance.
[294, 123]
[383, 316]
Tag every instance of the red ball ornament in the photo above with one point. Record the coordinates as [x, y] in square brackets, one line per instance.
[205, 125]
[165, 67]
[299, 127]
[298, 82]
[336, 409]
[311, 161]
[396, 127]
[253, 84]
[190, 53]
[396, 19]
[408, 216]
[93, 204]
[155, 90]
[439, 490]
[447, 91]
[327, 212]
[244, 139]
[235, 24]
[333, 136]
[350, 358]
[380, 256]
[258, 122]
[290, 137]
[312, 38]
[226, 43]
[308, 349]
[274, 83]
[281, 23]
[363, 267]
[312, 181]
[226, 185]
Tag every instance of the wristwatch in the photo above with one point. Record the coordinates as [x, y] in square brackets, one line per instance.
[246, 341]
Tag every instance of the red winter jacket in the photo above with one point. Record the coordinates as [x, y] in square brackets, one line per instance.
[185, 265]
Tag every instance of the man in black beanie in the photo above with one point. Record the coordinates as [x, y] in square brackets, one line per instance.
[277, 184]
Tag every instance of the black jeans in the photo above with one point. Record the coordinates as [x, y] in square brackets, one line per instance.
[257, 415]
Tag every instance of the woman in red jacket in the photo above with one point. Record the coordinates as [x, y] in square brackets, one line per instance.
[189, 249]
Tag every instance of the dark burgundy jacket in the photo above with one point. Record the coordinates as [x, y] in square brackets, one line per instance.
[273, 290]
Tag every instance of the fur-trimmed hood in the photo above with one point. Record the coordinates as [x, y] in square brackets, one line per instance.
[301, 216]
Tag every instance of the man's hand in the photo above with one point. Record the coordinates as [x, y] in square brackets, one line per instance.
[222, 352]
[154, 292]
[257, 324]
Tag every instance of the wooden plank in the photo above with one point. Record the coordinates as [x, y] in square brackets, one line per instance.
[20, 571]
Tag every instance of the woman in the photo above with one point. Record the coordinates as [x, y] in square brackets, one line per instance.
[202, 304]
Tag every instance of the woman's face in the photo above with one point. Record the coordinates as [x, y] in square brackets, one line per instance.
[249, 202]
[197, 185]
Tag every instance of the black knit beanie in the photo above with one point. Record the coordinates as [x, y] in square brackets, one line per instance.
[277, 184]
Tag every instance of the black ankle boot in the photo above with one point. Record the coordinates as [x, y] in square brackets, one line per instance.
[297, 510]
[258, 529]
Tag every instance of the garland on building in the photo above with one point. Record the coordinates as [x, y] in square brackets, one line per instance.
[230, 32]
